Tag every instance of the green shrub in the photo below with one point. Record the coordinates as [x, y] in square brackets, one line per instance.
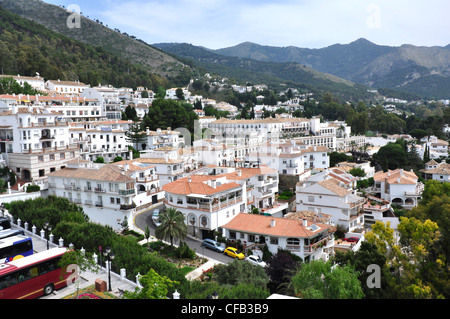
[33, 188]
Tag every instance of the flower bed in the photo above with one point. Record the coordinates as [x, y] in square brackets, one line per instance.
[91, 293]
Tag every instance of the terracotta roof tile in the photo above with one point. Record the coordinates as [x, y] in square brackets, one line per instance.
[284, 227]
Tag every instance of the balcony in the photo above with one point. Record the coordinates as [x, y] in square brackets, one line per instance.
[147, 179]
[323, 242]
[127, 207]
[127, 192]
[99, 190]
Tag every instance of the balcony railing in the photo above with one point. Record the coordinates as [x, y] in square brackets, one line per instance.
[127, 207]
[126, 192]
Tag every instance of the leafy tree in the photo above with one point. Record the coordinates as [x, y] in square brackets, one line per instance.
[100, 160]
[136, 135]
[417, 269]
[360, 261]
[238, 272]
[280, 268]
[154, 286]
[394, 153]
[131, 114]
[336, 157]
[317, 280]
[179, 93]
[357, 171]
[172, 225]
[170, 113]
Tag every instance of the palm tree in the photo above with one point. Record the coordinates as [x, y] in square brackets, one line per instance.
[172, 225]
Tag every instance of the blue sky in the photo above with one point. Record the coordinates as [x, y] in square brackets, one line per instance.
[303, 23]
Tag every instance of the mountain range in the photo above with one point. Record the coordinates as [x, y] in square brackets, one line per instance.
[424, 71]
[347, 70]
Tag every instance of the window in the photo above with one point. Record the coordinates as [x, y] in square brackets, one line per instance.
[310, 198]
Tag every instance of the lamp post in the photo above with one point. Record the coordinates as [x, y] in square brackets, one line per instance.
[109, 256]
[47, 229]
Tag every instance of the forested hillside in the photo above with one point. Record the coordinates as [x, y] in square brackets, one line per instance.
[27, 47]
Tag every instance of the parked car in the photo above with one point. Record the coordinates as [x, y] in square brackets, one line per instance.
[155, 217]
[233, 252]
[214, 245]
[352, 239]
[255, 260]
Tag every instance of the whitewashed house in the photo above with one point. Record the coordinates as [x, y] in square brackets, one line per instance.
[167, 169]
[106, 191]
[398, 186]
[329, 196]
[36, 82]
[161, 138]
[437, 171]
[306, 239]
[69, 88]
[34, 141]
[206, 201]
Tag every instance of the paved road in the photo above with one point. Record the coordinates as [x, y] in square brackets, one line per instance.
[145, 218]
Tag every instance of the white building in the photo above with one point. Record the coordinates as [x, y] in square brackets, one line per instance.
[398, 187]
[378, 210]
[161, 138]
[436, 171]
[172, 93]
[106, 139]
[291, 157]
[108, 97]
[36, 82]
[306, 239]
[167, 169]
[106, 187]
[261, 187]
[207, 202]
[69, 88]
[35, 141]
[330, 197]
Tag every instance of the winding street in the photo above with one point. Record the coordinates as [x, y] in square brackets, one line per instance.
[144, 218]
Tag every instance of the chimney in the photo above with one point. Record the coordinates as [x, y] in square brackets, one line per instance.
[239, 172]
[272, 223]
[213, 183]
[189, 179]
[304, 222]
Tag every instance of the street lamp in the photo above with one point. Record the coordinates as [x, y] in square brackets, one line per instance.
[47, 229]
[109, 256]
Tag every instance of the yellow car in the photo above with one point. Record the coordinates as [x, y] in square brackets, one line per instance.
[233, 252]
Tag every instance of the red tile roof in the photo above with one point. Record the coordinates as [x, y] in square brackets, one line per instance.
[284, 227]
